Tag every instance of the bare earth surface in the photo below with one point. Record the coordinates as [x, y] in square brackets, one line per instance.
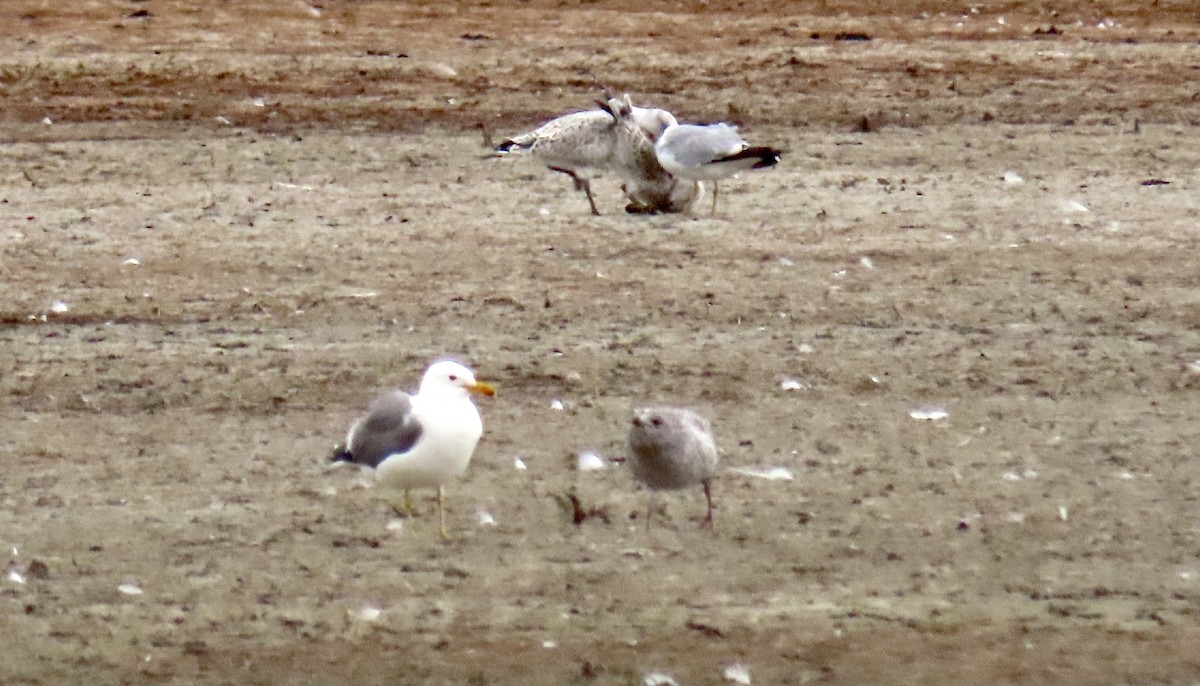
[256, 215]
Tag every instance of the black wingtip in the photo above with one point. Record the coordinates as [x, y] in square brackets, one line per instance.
[763, 156]
[766, 157]
[340, 454]
[506, 146]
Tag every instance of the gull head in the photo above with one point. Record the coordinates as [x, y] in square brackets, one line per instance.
[619, 108]
[449, 378]
[646, 418]
[652, 121]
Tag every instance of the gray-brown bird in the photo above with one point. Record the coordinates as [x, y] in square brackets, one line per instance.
[673, 448]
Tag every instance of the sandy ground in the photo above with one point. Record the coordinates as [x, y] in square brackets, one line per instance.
[255, 216]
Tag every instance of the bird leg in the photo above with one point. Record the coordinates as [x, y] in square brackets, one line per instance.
[442, 512]
[581, 184]
[707, 523]
[715, 189]
[408, 506]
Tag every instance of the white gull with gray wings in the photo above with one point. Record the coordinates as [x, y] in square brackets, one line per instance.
[423, 440]
[710, 153]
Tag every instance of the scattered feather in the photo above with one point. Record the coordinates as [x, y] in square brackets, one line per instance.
[768, 473]
[441, 69]
[519, 464]
[556, 405]
[549, 643]
[737, 673]
[588, 461]
[130, 589]
[366, 613]
[15, 577]
[866, 262]
[1062, 512]
[929, 413]
[131, 262]
[658, 679]
[395, 525]
[484, 517]
[790, 384]
[1011, 178]
[59, 307]
[1073, 207]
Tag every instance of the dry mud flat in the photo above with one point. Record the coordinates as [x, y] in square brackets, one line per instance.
[255, 216]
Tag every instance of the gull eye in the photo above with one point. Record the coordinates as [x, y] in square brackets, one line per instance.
[657, 421]
[454, 377]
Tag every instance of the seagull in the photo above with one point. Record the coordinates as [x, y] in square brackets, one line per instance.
[710, 153]
[650, 188]
[673, 448]
[422, 440]
[618, 137]
[577, 144]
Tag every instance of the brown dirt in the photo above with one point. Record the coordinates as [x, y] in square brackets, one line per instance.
[269, 163]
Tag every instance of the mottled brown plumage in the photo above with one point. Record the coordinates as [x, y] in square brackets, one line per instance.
[673, 448]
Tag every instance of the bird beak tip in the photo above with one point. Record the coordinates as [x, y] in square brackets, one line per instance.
[481, 388]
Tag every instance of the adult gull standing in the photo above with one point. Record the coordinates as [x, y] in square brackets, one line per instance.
[422, 440]
[710, 152]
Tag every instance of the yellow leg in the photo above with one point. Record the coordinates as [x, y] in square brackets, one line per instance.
[407, 510]
[442, 512]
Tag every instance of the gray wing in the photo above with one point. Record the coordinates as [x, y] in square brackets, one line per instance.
[389, 428]
[693, 146]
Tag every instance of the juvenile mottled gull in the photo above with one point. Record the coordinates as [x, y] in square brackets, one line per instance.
[650, 188]
[618, 137]
[673, 448]
[710, 153]
[578, 145]
[422, 440]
